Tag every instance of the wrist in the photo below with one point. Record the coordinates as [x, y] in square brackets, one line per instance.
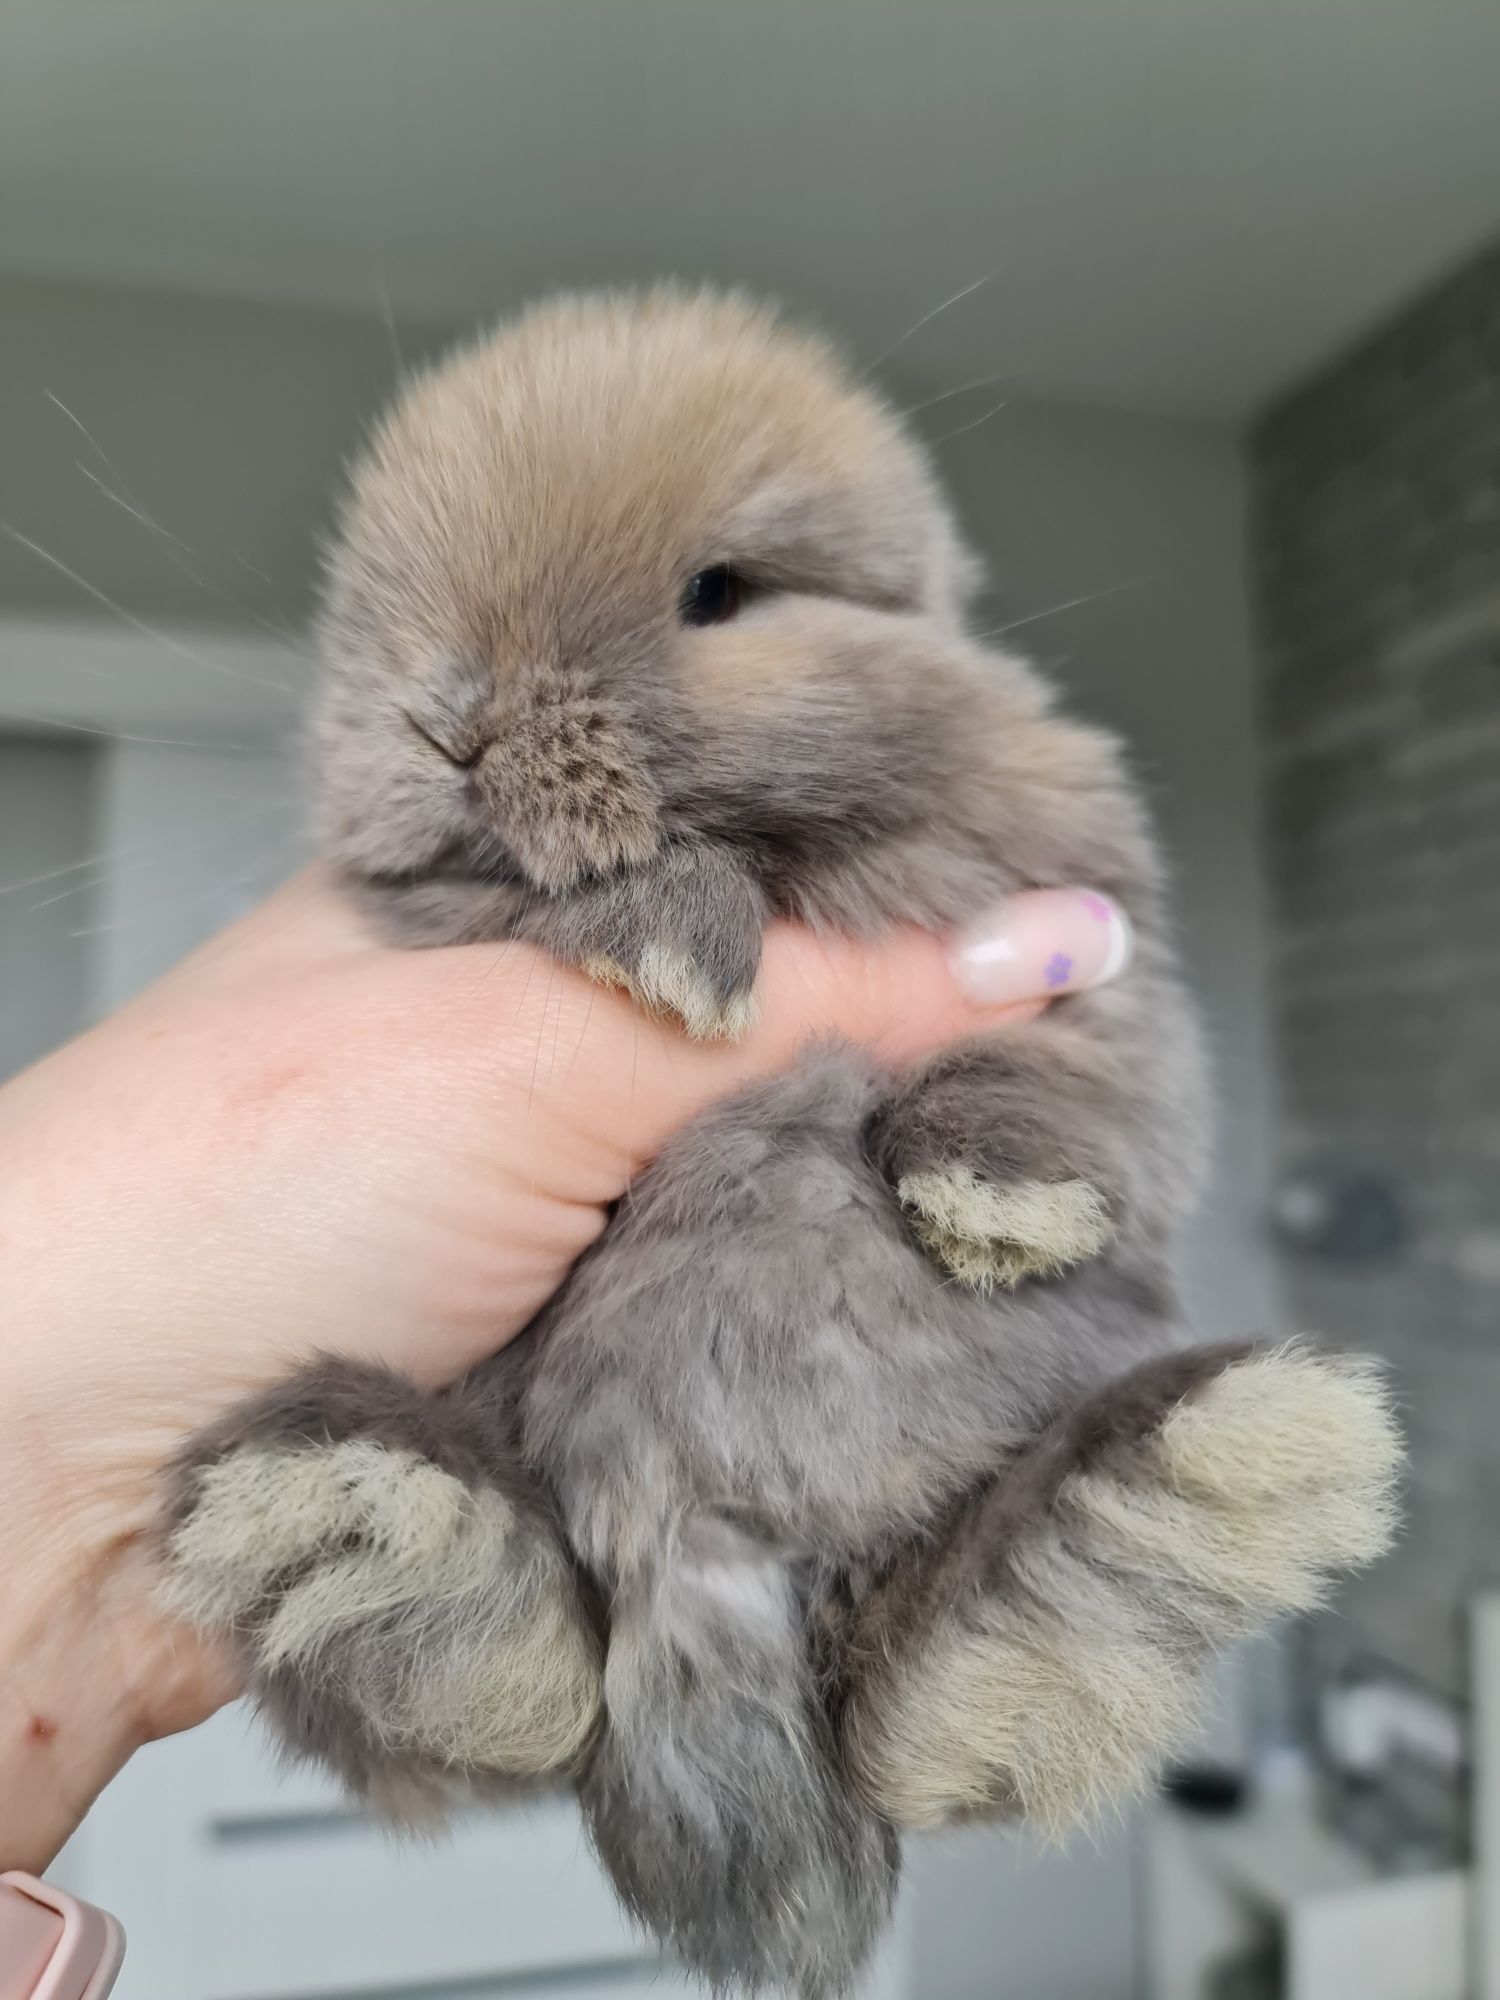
[90, 1670]
[66, 1721]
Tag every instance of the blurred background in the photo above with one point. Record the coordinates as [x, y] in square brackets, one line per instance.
[1199, 306]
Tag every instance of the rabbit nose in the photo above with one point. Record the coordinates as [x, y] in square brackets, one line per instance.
[566, 789]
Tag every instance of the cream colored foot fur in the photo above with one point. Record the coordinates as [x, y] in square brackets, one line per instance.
[434, 1607]
[990, 1234]
[1063, 1694]
[668, 983]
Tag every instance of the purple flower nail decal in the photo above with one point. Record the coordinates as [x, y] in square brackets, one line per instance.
[1058, 969]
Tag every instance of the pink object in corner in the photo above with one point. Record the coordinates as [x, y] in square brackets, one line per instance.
[52, 1946]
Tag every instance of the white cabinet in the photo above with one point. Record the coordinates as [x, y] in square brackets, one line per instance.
[236, 1881]
[1274, 1879]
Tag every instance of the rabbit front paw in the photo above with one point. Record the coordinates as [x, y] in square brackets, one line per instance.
[668, 980]
[680, 934]
[1002, 1177]
[988, 1233]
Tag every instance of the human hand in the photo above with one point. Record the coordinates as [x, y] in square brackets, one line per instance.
[304, 1141]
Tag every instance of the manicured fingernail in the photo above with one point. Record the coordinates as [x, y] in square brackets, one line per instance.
[1050, 941]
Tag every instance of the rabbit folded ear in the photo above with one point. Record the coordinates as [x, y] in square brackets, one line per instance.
[569, 793]
[822, 534]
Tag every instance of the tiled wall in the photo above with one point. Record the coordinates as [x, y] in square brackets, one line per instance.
[1377, 531]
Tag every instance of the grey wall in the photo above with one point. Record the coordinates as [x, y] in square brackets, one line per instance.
[1378, 535]
[197, 837]
[48, 907]
[226, 422]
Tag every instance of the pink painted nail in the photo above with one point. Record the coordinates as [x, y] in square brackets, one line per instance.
[1050, 941]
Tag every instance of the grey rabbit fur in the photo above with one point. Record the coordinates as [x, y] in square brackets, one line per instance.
[863, 1476]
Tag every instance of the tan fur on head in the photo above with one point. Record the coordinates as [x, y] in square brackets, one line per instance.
[515, 547]
[598, 439]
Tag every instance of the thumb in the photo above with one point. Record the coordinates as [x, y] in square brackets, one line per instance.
[902, 997]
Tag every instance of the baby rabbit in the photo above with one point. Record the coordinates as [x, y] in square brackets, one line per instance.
[863, 1475]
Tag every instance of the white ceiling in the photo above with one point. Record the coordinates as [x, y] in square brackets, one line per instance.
[1183, 203]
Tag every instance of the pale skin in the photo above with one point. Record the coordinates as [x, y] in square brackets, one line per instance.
[305, 1140]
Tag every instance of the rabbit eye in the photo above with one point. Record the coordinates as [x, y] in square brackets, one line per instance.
[711, 596]
[465, 757]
